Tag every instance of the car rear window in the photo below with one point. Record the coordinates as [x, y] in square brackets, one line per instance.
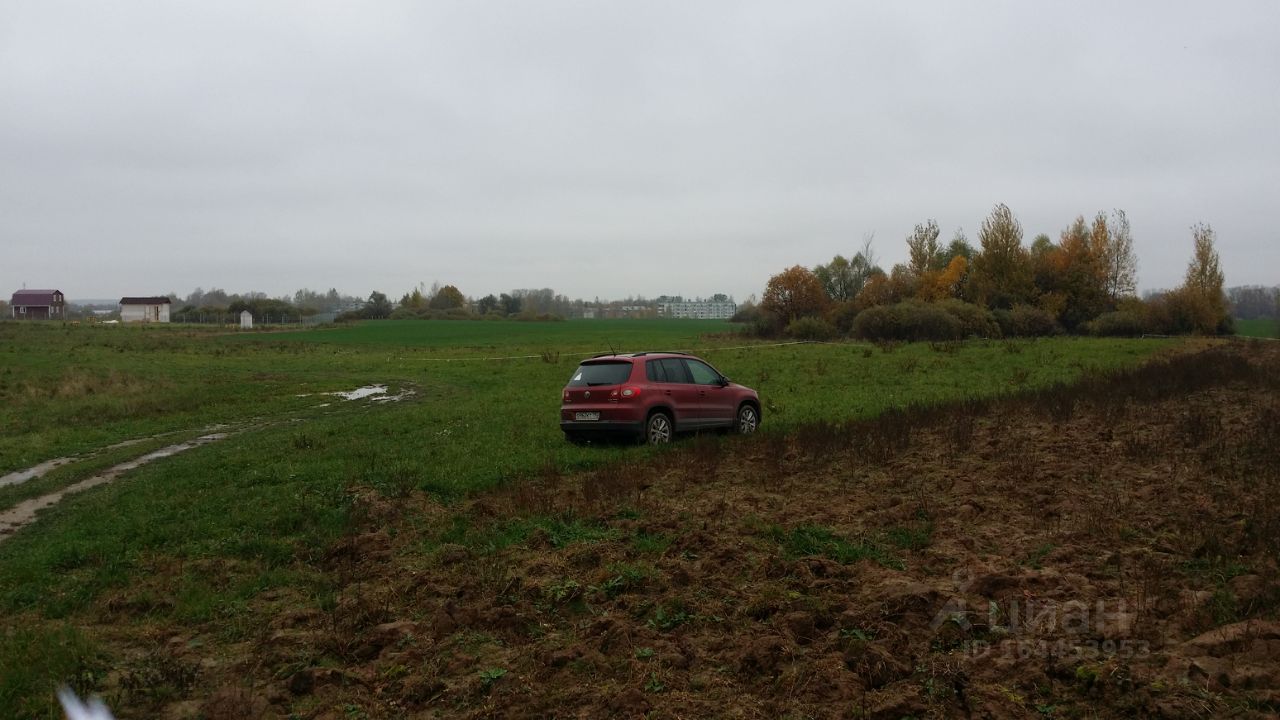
[600, 373]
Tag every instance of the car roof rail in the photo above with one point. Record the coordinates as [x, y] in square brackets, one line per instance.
[641, 354]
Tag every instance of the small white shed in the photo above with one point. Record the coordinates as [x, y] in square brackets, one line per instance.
[144, 309]
[246, 320]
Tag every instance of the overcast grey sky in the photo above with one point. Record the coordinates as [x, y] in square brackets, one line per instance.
[609, 149]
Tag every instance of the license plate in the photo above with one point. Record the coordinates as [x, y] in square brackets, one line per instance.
[586, 416]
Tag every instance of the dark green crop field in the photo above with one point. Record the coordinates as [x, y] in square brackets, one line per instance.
[457, 337]
[1258, 327]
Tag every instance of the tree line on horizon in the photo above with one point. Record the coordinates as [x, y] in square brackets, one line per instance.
[215, 302]
[446, 302]
[435, 302]
[1083, 283]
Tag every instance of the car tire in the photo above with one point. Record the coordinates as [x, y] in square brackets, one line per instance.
[748, 419]
[658, 429]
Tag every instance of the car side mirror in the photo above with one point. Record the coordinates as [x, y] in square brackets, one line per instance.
[724, 381]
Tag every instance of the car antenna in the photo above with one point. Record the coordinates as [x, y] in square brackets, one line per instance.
[611, 350]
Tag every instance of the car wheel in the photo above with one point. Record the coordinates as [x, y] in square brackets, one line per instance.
[748, 420]
[658, 430]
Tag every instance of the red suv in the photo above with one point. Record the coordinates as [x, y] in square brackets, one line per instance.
[653, 395]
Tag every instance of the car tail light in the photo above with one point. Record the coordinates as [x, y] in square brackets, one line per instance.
[630, 392]
[566, 397]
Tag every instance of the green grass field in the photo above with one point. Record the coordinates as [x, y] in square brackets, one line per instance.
[1258, 327]
[73, 389]
[262, 503]
[471, 424]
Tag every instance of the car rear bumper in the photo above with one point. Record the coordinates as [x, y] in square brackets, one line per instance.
[597, 426]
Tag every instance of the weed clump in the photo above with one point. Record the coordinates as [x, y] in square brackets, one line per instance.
[810, 540]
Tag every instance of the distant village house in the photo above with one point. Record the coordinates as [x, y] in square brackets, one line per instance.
[144, 309]
[38, 305]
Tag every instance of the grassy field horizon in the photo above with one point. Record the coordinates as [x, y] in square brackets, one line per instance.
[565, 336]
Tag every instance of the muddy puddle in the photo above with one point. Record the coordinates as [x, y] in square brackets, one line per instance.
[361, 392]
[24, 513]
[20, 476]
[377, 393]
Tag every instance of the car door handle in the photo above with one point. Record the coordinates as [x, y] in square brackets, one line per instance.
[702, 393]
[668, 392]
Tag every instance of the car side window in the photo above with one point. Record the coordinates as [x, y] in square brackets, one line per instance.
[702, 373]
[675, 370]
[654, 371]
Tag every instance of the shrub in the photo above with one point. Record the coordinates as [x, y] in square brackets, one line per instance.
[1026, 321]
[1121, 323]
[907, 321]
[764, 324]
[748, 313]
[843, 315]
[1004, 319]
[876, 323]
[976, 321]
[811, 328]
[1182, 312]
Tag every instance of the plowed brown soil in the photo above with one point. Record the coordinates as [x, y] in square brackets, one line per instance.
[1099, 552]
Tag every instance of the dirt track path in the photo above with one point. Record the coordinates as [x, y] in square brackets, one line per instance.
[18, 477]
[24, 513]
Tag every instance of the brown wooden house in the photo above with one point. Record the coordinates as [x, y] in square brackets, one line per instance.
[38, 305]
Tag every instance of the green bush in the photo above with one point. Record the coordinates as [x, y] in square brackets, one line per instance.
[542, 317]
[764, 324]
[1026, 321]
[842, 316]
[408, 313]
[908, 321]
[977, 321]
[811, 328]
[1121, 323]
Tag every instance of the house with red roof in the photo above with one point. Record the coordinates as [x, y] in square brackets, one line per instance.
[38, 305]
